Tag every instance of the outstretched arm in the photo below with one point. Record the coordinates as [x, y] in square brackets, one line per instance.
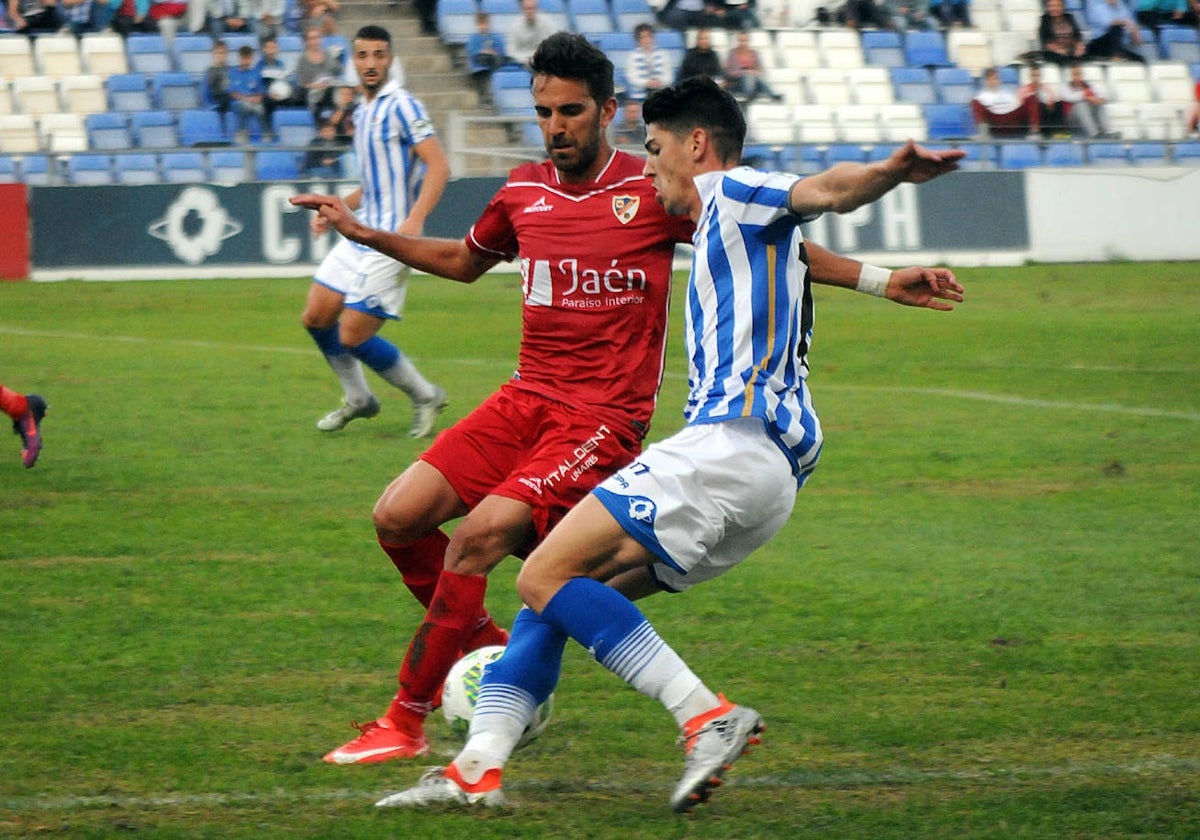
[444, 257]
[913, 286]
[848, 186]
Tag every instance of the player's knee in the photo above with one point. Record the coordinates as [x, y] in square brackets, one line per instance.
[533, 587]
[392, 526]
[476, 551]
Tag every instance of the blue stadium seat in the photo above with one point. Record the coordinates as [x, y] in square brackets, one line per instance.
[154, 129]
[148, 53]
[881, 151]
[617, 46]
[35, 169]
[925, 49]
[672, 42]
[1148, 154]
[227, 166]
[511, 93]
[591, 17]
[882, 48]
[843, 152]
[914, 84]
[980, 156]
[556, 11]
[1064, 154]
[456, 21]
[128, 92]
[89, 169]
[175, 91]
[108, 131]
[192, 52]
[337, 46]
[293, 126]
[809, 159]
[291, 47]
[1187, 154]
[198, 126]
[1108, 154]
[1010, 75]
[277, 165]
[1179, 43]
[629, 13]
[136, 169]
[954, 85]
[10, 173]
[183, 167]
[949, 121]
[1019, 155]
[236, 40]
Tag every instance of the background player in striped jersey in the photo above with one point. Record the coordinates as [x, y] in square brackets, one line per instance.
[697, 503]
[403, 172]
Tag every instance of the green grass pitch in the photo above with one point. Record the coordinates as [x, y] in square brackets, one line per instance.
[983, 619]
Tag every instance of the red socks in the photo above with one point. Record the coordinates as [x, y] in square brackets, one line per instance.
[13, 404]
[420, 563]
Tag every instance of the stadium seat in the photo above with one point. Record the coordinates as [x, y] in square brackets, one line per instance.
[629, 13]
[16, 57]
[108, 131]
[136, 168]
[510, 92]
[337, 46]
[147, 53]
[902, 121]
[128, 92]
[1108, 154]
[797, 49]
[814, 124]
[617, 46]
[914, 84]
[276, 165]
[35, 95]
[828, 86]
[103, 54]
[556, 11]
[89, 169]
[57, 56]
[1148, 154]
[806, 159]
[154, 129]
[858, 123]
[6, 100]
[871, 86]
[883, 48]
[1019, 155]
[954, 85]
[62, 133]
[1187, 154]
[456, 21]
[1124, 117]
[971, 49]
[949, 121]
[83, 94]
[845, 152]
[10, 172]
[979, 156]
[1180, 43]
[291, 47]
[1129, 83]
[293, 126]
[787, 83]
[200, 127]
[192, 52]
[840, 48]
[37, 170]
[19, 133]
[1064, 154]
[183, 167]
[771, 123]
[227, 166]
[175, 91]
[925, 49]
[591, 17]
[1161, 121]
[1172, 82]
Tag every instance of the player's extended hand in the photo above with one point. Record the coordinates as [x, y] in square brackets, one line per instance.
[916, 164]
[925, 287]
[331, 212]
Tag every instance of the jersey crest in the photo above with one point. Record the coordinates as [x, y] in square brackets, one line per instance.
[625, 207]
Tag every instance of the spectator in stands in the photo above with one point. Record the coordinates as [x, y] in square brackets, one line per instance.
[1052, 111]
[1000, 112]
[1059, 35]
[628, 129]
[951, 12]
[246, 94]
[223, 16]
[1194, 117]
[702, 59]
[278, 89]
[739, 14]
[744, 72]
[1085, 102]
[485, 55]
[78, 16]
[1155, 14]
[529, 30]
[169, 15]
[427, 13]
[31, 17]
[268, 19]
[216, 79]
[1115, 33]
[132, 16]
[317, 72]
[911, 15]
[342, 115]
[692, 14]
[321, 15]
[323, 158]
[647, 68]
[865, 14]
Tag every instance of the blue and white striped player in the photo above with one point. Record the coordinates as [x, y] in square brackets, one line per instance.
[403, 172]
[692, 506]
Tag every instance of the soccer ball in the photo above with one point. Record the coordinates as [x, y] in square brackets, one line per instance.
[462, 688]
[280, 90]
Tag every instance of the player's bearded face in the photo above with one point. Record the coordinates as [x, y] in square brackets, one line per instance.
[372, 60]
[572, 124]
[575, 151]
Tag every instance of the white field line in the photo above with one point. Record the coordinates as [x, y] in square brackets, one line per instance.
[814, 780]
[950, 393]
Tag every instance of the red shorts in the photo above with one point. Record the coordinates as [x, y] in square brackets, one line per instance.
[536, 450]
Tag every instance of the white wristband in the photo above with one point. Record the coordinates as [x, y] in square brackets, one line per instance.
[873, 280]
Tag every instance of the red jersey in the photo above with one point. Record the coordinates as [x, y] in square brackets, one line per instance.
[596, 278]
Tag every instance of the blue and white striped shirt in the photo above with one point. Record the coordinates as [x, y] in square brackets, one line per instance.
[385, 131]
[750, 312]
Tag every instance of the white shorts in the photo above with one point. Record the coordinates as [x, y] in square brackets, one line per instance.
[369, 281]
[703, 499]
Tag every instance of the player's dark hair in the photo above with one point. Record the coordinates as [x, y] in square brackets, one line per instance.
[699, 103]
[567, 55]
[372, 32]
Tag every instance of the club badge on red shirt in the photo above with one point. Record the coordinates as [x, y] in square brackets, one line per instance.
[625, 207]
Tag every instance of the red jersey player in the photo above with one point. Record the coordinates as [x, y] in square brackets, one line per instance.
[596, 251]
